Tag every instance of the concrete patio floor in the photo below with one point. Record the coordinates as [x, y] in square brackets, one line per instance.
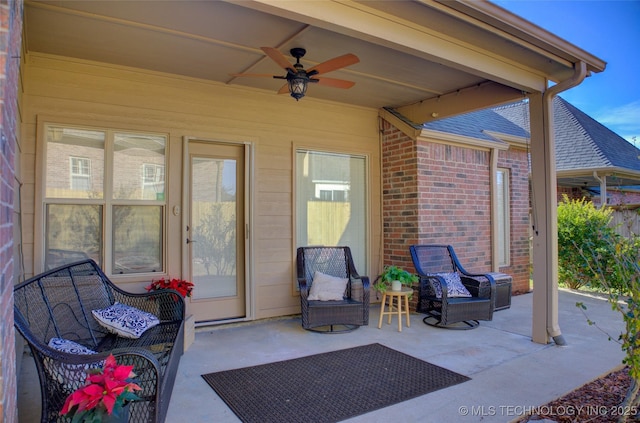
[510, 374]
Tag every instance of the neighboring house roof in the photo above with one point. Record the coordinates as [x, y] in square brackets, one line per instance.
[583, 145]
[476, 124]
[611, 149]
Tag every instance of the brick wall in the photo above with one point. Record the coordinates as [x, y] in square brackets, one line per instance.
[441, 194]
[10, 39]
[622, 198]
[572, 192]
[615, 197]
[455, 201]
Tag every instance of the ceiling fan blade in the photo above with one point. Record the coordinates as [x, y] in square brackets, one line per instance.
[284, 89]
[278, 57]
[334, 64]
[332, 82]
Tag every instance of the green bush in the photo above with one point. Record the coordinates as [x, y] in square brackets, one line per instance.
[621, 281]
[582, 226]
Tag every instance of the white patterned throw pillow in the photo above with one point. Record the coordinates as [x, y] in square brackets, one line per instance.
[70, 347]
[327, 288]
[124, 320]
[68, 375]
[455, 288]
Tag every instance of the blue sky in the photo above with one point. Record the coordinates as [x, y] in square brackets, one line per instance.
[610, 30]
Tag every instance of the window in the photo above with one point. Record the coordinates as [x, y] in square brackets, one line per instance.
[99, 208]
[503, 217]
[153, 181]
[74, 154]
[331, 192]
[80, 173]
[331, 202]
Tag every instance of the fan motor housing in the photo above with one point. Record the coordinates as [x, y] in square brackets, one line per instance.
[298, 52]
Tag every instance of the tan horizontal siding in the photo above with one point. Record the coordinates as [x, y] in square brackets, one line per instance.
[71, 91]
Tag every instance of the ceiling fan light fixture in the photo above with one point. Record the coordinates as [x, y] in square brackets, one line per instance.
[298, 78]
[298, 86]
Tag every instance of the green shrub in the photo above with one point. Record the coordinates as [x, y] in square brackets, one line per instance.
[583, 226]
[622, 284]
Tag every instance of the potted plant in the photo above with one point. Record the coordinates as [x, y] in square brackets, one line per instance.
[394, 277]
[104, 396]
[182, 286]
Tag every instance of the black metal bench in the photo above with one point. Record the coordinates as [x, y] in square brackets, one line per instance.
[58, 304]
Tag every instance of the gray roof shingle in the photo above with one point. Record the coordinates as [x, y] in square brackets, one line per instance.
[581, 141]
[474, 124]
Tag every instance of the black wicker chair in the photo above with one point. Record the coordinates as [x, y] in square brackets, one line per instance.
[332, 316]
[58, 304]
[432, 264]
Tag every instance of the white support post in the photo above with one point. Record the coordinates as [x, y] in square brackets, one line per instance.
[544, 222]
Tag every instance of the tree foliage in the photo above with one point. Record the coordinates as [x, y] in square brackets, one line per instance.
[216, 239]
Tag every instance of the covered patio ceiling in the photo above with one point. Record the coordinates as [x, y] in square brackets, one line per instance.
[426, 59]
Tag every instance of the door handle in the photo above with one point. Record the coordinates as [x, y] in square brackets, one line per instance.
[189, 241]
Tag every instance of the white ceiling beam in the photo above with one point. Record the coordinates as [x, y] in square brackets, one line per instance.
[465, 100]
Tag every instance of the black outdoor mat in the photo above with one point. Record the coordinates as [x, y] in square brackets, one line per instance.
[328, 387]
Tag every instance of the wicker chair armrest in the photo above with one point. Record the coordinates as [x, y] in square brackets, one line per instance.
[366, 294]
[366, 282]
[364, 279]
[354, 274]
[479, 285]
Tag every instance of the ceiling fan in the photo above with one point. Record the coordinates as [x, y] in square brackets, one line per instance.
[298, 78]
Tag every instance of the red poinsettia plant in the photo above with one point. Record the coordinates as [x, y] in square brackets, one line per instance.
[105, 393]
[182, 286]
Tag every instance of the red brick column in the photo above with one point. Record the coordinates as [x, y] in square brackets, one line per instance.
[10, 39]
[399, 196]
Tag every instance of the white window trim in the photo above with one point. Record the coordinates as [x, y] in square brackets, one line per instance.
[85, 175]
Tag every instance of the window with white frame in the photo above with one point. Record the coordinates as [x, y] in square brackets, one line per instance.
[153, 180]
[80, 173]
[503, 217]
[99, 209]
[331, 202]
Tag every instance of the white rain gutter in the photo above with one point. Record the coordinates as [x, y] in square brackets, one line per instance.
[579, 73]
